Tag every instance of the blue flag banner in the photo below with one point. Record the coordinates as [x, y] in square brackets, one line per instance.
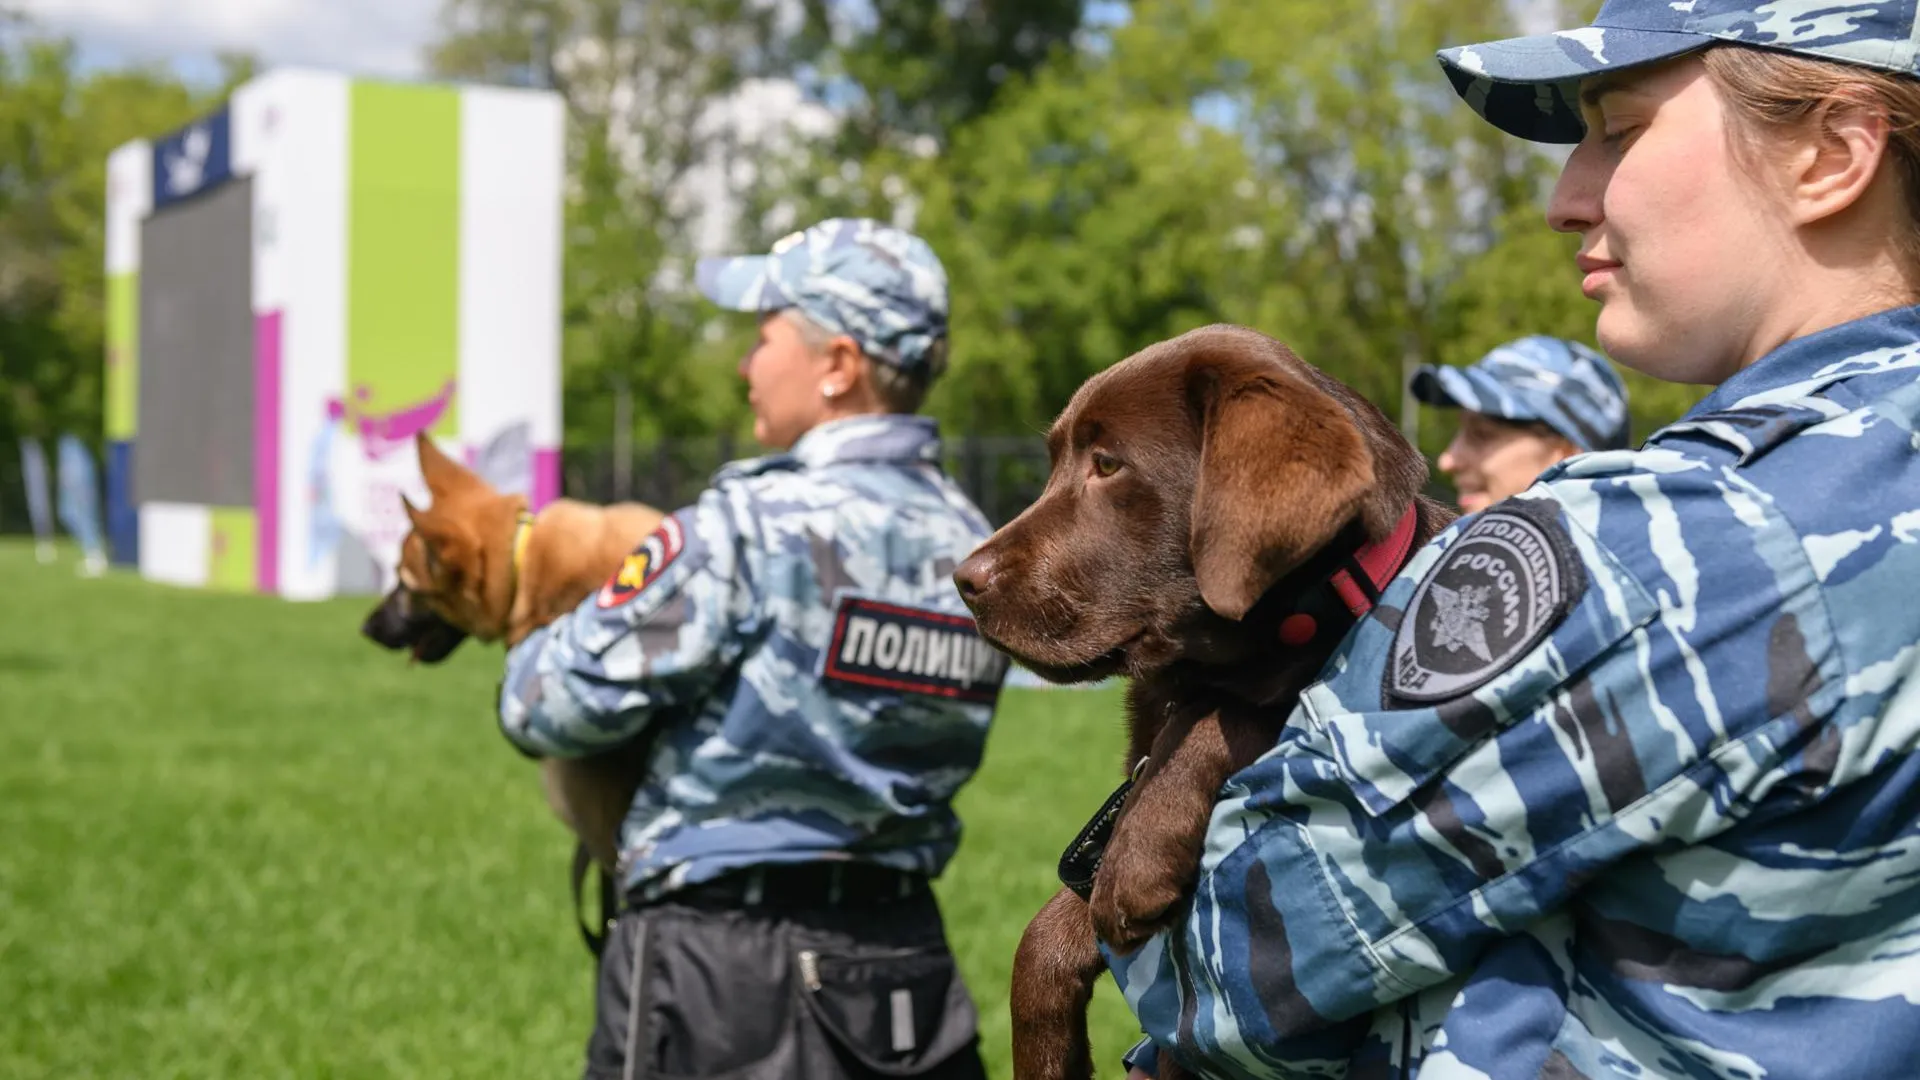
[79, 505]
[191, 160]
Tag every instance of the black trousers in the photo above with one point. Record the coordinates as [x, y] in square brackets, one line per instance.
[747, 980]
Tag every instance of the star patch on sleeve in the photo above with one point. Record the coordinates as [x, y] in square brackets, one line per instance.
[644, 566]
[1509, 579]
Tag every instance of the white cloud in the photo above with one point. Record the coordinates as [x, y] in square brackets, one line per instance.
[359, 37]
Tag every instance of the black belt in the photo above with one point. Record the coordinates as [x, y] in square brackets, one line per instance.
[798, 885]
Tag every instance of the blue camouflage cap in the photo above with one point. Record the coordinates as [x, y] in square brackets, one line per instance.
[1564, 384]
[1528, 86]
[880, 286]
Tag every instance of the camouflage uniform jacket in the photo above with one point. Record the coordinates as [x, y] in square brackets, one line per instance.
[795, 645]
[1618, 781]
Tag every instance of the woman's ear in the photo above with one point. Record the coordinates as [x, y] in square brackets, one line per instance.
[845, 367]
[1837, 166]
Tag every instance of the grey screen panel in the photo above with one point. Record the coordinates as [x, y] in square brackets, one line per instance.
[195, 441]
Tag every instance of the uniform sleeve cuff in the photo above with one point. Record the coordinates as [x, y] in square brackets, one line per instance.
[517, 683]
[1144, 1056]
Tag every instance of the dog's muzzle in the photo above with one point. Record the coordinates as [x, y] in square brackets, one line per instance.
[401, 621]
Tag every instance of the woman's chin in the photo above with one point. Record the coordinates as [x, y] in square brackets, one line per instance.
[765, 435]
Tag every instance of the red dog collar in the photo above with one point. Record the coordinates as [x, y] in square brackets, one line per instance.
[1379, 562]
[1376, 564]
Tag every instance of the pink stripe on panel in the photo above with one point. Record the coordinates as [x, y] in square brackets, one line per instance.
[266, 450]
[546, 478]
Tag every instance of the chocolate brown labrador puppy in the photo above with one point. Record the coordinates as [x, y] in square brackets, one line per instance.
[1218, 515]
[478, 564]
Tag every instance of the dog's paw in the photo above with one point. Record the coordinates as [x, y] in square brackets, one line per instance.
[1127, 910]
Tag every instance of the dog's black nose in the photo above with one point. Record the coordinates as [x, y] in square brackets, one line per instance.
[975, 576]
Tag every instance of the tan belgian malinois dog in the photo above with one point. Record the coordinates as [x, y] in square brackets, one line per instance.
[478, 564]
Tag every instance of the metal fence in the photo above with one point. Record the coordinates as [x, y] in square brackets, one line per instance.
[1002, 474]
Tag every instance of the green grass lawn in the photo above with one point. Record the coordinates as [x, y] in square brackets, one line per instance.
[238, 840]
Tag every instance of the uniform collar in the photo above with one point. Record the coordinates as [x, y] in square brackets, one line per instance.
[1807, 365]
[883, 439]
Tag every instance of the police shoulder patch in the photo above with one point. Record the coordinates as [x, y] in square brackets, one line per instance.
[1509, 579]
[876, 644]
[644, 566]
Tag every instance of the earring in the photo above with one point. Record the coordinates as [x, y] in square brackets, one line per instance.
[827, 392]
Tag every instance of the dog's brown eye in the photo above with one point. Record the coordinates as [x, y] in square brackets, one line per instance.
[1105, 464]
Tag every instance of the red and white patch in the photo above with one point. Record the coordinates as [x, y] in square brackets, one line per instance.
[644, 566]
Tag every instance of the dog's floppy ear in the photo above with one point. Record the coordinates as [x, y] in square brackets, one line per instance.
[1282, 471]
[442, 474]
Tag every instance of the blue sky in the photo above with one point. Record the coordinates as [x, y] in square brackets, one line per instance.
[367, 37]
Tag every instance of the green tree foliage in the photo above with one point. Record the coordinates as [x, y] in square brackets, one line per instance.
[57, 126]
[1093, 185]
[914, 68]
[1079, 222]
[637, 79]
[1297, 167]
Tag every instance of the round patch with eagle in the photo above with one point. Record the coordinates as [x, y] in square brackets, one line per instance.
[1509, 579]
[644, 566]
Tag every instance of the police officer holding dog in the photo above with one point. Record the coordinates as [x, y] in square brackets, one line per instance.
[1619, 778]
[794, 647]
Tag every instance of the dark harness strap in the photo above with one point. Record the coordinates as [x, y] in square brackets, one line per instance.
[609, 896]
[1080, 863]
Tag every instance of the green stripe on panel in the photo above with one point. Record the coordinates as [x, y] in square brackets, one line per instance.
[123, 356]
[232, 548]
[403, 257]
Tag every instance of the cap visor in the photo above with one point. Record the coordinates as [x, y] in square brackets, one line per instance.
[1528, 86]
[1427, 389]
[741, 283]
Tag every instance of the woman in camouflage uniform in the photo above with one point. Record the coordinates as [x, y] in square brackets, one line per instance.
[1618, 779]
[794, 647]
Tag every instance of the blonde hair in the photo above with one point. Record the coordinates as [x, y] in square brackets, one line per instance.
[1770, 92]
[899, 390]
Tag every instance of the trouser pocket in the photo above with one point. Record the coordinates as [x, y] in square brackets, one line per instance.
[782, 995]
[886, 1012]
